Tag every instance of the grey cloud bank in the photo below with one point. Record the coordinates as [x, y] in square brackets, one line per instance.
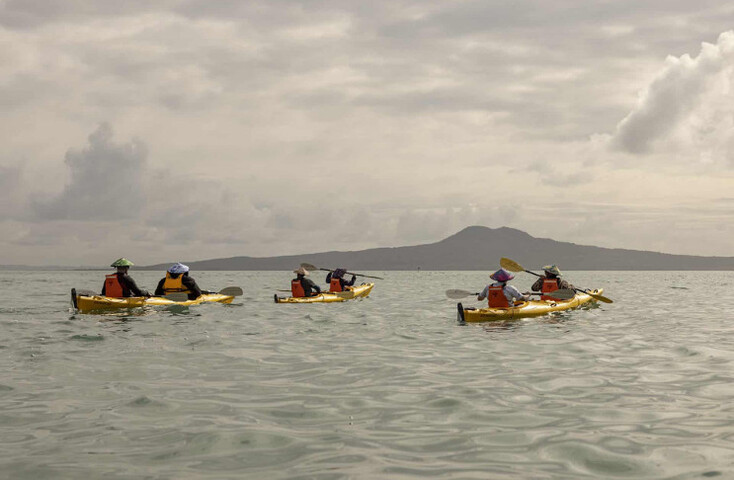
[200, 129]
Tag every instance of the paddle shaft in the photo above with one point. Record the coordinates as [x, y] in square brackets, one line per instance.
[308, 266]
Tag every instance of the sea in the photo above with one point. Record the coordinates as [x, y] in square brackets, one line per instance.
[387, 387]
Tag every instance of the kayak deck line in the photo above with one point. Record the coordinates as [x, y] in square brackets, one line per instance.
[359, 291]
[526, 309]
[85, 303]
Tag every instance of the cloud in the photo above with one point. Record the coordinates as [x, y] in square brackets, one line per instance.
[106, 181]
[690, 104]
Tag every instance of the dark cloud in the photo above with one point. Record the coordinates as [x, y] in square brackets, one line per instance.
[106, 181]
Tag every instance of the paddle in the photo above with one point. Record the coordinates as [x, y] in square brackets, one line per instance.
[308, 266]
[513, 266]
[182, 297]
[562, 294]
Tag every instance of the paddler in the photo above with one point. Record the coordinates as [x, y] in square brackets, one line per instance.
[499, 294]
[302, 286]
[120, 284]
[336, 280]
[177, 279]
[550, 281]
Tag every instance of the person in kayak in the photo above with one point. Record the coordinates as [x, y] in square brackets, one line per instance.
[120, 284]
[550, 281]
[336, 280]
[499, 294]
[177, 279]
[302, 286]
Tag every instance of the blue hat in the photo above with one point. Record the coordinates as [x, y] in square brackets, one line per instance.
[178, 268]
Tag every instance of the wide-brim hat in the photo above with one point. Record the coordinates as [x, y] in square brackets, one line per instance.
[300, 271]
[502, 275]
[122, 262]
[178, 268]
[553, 270]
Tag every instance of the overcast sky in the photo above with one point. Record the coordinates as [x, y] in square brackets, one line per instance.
[194, 129]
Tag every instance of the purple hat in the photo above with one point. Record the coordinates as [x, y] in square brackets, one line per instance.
[502, 275]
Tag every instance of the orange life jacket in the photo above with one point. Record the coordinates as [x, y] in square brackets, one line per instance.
[335, 285]
[171, 285]
[112, 286]
[549, 285]
[496, 298]
[297, 289]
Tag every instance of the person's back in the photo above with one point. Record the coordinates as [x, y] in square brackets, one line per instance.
[550, 282]
[120, 284]
[499, 294]
[336, 280]
[177, 279]
[302, 286]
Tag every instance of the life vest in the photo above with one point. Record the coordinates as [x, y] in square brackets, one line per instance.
[496, 298]
[549, 285]
[171, 285]
[112, 286]
[297, 289]
[335, 285]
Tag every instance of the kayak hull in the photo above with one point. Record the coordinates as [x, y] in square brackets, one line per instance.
[358, 291]
[532, 308]
[88, 303]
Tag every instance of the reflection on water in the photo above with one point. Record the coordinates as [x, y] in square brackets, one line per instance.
[388, 387]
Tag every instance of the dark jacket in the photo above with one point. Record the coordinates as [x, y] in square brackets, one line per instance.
[188, 282]
[129, 287]
[343, 282]
[308, 286]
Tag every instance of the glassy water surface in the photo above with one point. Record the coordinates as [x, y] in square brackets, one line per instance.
[387, 387]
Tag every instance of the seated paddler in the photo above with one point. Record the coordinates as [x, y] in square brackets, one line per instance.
[302, 286]
[177, 279]
[336, 280]
[120, 284]
[549, 282]
[499, 294]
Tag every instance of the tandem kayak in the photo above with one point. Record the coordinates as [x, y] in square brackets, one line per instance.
[358, 291]
[85, 302]
[532, 308]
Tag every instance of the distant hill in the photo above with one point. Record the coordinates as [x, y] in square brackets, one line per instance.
[475, 248]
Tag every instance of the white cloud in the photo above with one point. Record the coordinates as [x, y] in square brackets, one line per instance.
[689, 105]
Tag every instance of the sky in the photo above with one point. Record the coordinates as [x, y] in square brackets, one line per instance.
[182, 130]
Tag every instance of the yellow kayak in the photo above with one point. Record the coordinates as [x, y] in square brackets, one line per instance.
[87, 302]
[532, 308]
[358, 291]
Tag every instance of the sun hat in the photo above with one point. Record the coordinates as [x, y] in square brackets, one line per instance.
[300, 271]
[122, 262]
[552, 269]
[502, 275]
[178, 268]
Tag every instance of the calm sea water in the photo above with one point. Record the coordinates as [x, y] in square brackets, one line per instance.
[390, 387]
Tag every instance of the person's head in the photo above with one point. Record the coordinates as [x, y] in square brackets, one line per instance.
[552, 271]
[502, 276]
[301, 272]
[122, 265]
[178, 269]
[339, 273]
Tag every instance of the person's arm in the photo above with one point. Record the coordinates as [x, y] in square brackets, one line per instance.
[565, 284]
[314, 287]
[351, 282]
[190, 283]
[159, 289]
[133, 287]
[483, 294]
[104, 286]
[538, 285]
[328, 277]
[515, 293]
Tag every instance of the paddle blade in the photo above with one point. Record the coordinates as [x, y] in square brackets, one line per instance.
[308, 266]
[563, 294]
[177, 297]
[511, 265]
[231, 291]
[601, 298]
[456, 293]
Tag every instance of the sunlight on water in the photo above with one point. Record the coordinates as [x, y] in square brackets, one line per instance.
[386, 387]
